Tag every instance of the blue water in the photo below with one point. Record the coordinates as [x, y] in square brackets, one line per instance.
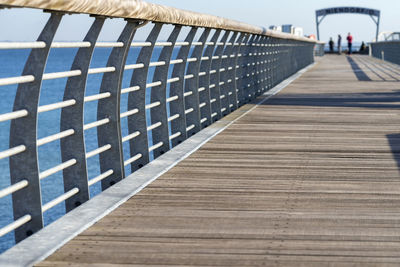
[12, 63]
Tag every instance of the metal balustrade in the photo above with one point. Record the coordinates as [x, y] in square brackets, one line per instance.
[319, 49]
[216, 71]
[386, 50]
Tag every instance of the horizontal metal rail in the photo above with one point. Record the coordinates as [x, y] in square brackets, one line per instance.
[98, 151]
[17, 80]
[133, 159]
[12, 226]
[55, 137]
[100, 177]
[12, 151]
[95, 124]
[57, 168]
[130, 137]
[14, 115]
[60, 199]
[13, 188]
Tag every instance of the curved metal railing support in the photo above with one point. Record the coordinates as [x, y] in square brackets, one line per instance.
[137, 122]
[192, 101]
[159, 114]
[204, 81]
[110, 133]
[177, 107]
[23, 133]
[72, 120]
[215, 79]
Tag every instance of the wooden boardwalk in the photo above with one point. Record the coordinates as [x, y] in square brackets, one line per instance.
[310, 178]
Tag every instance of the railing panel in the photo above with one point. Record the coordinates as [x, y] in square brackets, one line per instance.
[137, 100]
[192, 86]
[247, 68]
[268, 53]
[225, 83]
[232, 86]
[159, 94]
[215, 78]
[388, 51]
[204, 81]
[72, 119]
[263, 66]
[177, 108]
[241, 70]
[110, 133]
[23, 131]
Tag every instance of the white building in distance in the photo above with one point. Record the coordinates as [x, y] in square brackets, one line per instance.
[288, 28]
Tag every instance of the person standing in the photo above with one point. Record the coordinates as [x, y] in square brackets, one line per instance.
[349, 42]
[339, 44]
[331, 43]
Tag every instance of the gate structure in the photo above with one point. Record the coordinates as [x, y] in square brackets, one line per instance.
[373, 13]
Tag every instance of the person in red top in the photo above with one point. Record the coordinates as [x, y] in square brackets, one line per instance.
[349, 42]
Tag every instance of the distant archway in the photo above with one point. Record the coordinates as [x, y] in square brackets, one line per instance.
[373, 13]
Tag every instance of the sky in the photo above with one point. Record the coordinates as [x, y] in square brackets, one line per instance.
[26, 24]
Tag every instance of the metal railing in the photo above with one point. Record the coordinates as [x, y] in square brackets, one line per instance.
[386, 50]
[217, 69]
[319, 49]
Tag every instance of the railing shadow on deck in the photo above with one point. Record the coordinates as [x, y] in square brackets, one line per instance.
[360, 74]
[378, 70]
[359, 100]
[394, 142]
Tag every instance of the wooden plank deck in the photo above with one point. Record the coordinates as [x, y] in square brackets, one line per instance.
[310, 178]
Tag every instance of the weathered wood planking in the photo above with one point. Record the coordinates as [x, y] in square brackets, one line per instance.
[310, 178]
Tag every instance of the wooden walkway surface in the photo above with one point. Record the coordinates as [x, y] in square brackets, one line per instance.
[310, 178]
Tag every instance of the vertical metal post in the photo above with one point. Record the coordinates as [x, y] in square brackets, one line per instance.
[267, 50]
[273, 62]
[253, 68]
[283, 60]
[24, 166]
[72, 118]
[177, 107]
[267, 64]
[204, 81]
[249, 67]
[263, 65]
[232, 70]
[277, 60]
[279, 68]
[294, 57]
[258, 62]
[192, 85]
[287, 59]
[224, 84]
[317, 24]
[159, 94]
[377, 27]
[110, 133]
[137, 100]
[241, 70]
[215, 93]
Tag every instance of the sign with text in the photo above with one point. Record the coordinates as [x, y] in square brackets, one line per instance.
[352, 10]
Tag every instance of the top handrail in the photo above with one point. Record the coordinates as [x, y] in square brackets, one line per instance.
[138, 9]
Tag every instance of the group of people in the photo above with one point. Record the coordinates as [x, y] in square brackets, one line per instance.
[339, 43]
